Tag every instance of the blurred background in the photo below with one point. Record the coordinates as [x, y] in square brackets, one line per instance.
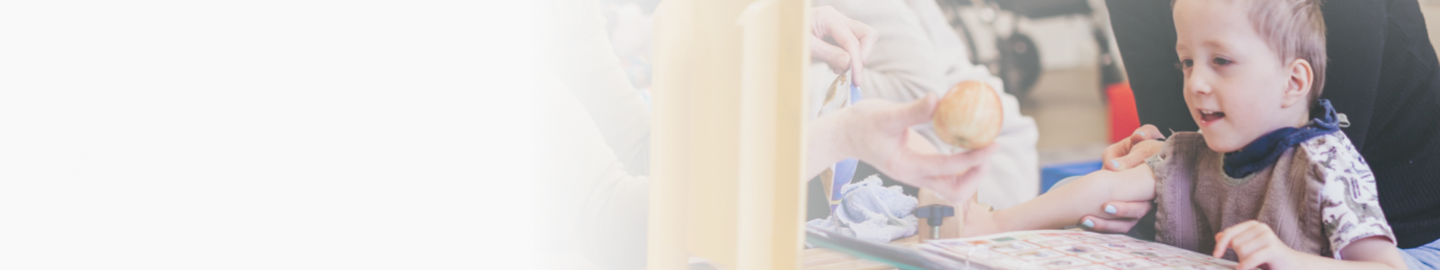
[308, 134]
[1056, 56]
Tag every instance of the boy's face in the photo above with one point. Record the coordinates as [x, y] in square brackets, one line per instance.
[1234, 82]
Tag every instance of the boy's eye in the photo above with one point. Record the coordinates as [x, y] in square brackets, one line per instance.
[1187, 63]
[1222, 61]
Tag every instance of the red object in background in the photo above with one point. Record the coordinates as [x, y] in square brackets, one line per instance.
[1123, 117]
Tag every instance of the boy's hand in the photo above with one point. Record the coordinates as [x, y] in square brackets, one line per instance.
[1256, 245]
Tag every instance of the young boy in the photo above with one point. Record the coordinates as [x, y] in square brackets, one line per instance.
[1260, 183]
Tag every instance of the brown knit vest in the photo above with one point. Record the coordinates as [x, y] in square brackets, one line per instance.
[1195, 199]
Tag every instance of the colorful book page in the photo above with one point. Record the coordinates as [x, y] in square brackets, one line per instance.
[1077, 250]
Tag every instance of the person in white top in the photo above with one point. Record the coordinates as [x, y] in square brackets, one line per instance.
[917, 54]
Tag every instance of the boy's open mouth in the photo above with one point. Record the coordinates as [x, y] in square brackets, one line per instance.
[1207, 116]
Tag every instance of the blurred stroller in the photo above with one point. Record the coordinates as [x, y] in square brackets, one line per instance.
[988, 28]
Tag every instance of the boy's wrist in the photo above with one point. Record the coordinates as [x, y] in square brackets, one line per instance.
[1309, 261]
[1302, 260]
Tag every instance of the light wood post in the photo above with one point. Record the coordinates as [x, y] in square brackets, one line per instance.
[727, 145]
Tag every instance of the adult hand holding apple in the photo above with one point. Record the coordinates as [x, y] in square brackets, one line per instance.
[970, 115]
[878, 131]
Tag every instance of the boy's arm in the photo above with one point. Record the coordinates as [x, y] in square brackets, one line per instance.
[1065, 204]
[1370, 251]
[1256, 244]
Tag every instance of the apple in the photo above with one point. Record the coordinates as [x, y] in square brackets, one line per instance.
[969, 116]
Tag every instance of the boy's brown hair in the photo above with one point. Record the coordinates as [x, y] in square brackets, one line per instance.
[1294, 29]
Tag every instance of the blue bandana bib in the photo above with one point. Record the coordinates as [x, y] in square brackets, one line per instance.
[1263, 152]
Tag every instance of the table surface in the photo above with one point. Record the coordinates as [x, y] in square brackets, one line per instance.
[826, 259]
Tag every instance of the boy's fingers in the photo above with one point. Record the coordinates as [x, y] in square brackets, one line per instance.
[1248, 243]
[1224, 239]
[1222, 242]
[1254, 260]
[1100, 224]
[1250, 262]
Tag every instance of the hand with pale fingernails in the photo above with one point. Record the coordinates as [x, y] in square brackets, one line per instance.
[1118, 217]
[1127, 153]
[1132, 151]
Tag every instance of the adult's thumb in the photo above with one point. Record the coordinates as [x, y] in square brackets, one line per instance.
[1136, 157]
[918, 111]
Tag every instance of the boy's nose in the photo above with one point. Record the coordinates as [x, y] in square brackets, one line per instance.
[1197, 83]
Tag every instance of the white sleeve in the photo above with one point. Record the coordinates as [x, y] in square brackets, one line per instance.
[1350, 205]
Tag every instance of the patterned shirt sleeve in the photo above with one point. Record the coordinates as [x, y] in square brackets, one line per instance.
[1350, 206]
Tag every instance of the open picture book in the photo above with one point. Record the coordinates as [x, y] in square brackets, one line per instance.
[1047, 249]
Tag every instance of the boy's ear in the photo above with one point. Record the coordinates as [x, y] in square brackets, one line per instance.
[1297, 88]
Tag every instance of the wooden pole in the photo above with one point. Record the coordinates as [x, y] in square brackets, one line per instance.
[727, 156]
